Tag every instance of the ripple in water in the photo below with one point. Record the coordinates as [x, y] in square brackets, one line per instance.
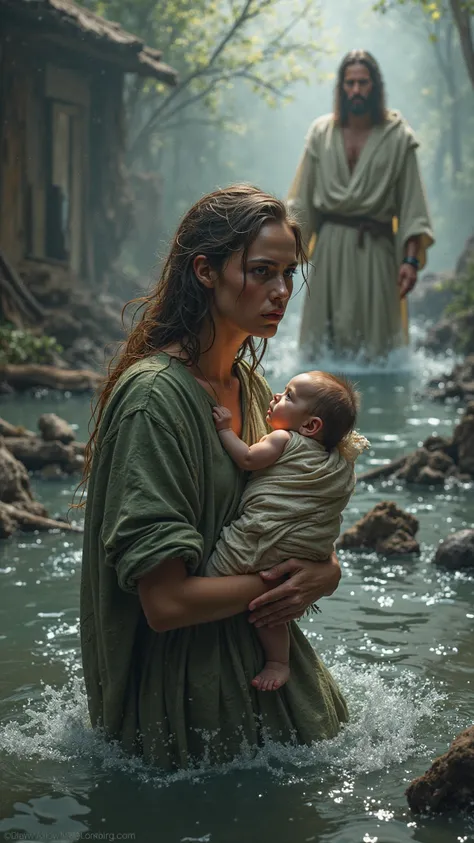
[385, 717]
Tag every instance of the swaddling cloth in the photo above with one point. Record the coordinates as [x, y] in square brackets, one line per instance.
[290, 509]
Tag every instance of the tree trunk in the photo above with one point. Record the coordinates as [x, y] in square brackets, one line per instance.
[32, 375]
[455, 122]
[17, 304]
[462, 19]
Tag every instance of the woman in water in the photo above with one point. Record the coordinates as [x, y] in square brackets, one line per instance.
[168, 653]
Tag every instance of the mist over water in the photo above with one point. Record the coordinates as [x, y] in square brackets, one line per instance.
[268, 152]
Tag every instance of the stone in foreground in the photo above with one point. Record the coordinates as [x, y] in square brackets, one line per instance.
[449, 783]
[387, 529]
[55, 429]
[457, 551]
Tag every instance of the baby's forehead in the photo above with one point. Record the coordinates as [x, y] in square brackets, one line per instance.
[306, 384]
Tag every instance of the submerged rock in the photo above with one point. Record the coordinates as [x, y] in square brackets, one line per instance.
[15, 483]
[15, 492]
[53, 428]
[55, 453]
[18, 508]
[428, 465]
[459, 383]
[449, 783]
[438, 459]
[35, 454]
[431, 295]
[463, 440]
[455, 333]
[387, 529]
[457, 551]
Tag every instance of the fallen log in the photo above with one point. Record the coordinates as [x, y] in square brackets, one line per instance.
[7, 429]
[31, 375]
[383, 470]
[54, 429]
[28, 521]
[35, 453]
[18, 432]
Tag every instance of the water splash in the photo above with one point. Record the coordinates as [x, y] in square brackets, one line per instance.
[386, 714]
[284, 357]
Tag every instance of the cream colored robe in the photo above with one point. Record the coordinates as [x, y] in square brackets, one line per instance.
[353, 302]
[290, 509]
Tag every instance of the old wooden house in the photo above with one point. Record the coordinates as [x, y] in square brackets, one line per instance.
[63, 205]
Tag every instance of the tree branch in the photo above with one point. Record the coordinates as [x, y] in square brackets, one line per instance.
[246, 14]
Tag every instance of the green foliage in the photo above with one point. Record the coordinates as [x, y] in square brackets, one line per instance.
[18, 346]
[433, 10]
[463, 293]
[269, 44]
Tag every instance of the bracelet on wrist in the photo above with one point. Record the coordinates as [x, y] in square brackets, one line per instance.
[412, 261]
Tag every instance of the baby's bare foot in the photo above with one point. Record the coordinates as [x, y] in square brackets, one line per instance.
[272, 677]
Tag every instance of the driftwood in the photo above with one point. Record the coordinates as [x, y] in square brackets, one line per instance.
[7, 429]
[28, 521]
[18, 508]
[33, 375]
[383, 470]
[437, 460]
[35, 453]
[55, 429]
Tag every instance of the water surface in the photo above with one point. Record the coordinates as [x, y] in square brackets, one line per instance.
[397, 634]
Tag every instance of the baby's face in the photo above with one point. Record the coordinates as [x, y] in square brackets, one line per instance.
[290, 409]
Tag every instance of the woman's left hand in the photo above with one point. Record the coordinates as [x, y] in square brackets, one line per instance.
[307, 582]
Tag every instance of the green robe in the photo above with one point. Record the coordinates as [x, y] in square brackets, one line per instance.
[353, 300]
[162, 486]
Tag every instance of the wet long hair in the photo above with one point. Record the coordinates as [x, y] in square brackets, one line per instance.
[218, 225]
[377, 97]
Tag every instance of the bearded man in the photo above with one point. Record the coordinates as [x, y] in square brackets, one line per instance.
[357, 184]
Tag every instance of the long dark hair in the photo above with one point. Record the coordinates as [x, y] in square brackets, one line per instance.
[221, 223]
[379, 110]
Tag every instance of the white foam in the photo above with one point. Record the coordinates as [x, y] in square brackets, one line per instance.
[284, 357]
[385, 716]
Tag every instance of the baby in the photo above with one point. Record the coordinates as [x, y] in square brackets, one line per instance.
[303, 476]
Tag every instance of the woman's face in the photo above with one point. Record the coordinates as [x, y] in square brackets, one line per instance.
[252, 300]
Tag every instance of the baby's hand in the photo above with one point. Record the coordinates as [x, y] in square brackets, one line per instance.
[222, 418]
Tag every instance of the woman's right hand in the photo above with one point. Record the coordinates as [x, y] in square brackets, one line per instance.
[305, 583]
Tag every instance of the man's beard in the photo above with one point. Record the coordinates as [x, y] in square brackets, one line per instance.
[358, 105]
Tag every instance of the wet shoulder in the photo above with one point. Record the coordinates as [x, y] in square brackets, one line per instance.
[160, 387]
